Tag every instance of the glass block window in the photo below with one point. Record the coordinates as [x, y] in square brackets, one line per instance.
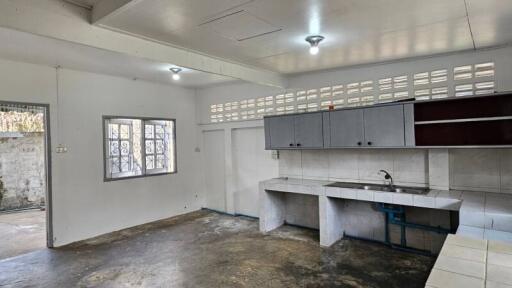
[475, 79]
[425, 84]
[138, 147]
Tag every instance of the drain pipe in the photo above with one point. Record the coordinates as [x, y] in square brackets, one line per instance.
[396, 215]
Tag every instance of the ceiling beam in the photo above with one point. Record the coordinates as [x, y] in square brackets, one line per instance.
[70, 23]
[104, 9]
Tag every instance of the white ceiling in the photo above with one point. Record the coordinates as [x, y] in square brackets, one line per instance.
[356, 31]
[84, 3]
[19, 46]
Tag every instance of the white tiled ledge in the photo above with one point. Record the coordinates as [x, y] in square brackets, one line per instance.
[482, 215]
[469, 263]
[437, 199]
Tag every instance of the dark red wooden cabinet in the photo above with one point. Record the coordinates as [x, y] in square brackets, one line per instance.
[475, 121]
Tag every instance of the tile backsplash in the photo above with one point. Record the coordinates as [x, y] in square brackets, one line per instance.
[481, 169]
[469, 169]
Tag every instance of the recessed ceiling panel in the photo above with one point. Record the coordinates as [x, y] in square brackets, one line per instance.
[440, 37]
[240, 26]
[84, 3]
[356, 31]
[159, 18]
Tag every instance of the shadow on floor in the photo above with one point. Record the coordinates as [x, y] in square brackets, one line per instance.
[206, 249]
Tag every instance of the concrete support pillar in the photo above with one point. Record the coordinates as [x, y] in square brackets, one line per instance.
[331, 220]
[439, 169]
[272, 209]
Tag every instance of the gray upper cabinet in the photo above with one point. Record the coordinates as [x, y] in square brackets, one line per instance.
[294, 131]
[381, 126]
[345, 128]
[384, 126]
[308, 131]
[279, 132]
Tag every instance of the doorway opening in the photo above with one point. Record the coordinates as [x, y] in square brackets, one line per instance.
[25, 194]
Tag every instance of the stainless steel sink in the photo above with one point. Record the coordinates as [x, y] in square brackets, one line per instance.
[379, 187]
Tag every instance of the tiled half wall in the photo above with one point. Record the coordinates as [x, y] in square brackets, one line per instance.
[464, 169]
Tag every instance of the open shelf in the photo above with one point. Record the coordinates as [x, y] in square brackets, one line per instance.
[476, 121]
[463, 120]
[465, 134]
[490, 106]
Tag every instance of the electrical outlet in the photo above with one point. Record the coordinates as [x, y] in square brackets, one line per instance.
[275, 154]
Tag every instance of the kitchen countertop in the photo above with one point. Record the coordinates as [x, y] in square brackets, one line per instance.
[482, 215]
[467, 262]
[448, 200]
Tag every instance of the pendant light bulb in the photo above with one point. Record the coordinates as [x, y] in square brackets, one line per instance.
[313, 50]
[175, 73]
[314, 41]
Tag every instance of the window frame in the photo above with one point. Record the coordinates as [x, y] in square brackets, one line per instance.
[104, 118]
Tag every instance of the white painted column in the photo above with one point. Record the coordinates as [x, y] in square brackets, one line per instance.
[331, 220]
[272, 210]
[230, 179]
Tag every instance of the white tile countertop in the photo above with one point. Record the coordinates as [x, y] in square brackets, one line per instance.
[482, 215]
[447, 200]
[467, 262]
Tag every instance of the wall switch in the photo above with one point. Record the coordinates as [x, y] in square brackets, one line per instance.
[61, 149]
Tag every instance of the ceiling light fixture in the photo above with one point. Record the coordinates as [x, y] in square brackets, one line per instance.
[175, 75]
[314, 41]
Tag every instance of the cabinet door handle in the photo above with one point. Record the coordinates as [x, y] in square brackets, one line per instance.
[291, 144]
[359, 143]
[370, 143]
[298, 145]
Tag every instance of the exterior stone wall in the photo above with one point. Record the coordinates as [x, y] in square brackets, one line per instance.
[22, 168]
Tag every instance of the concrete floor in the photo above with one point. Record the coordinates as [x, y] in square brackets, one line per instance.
[22, 232]
[206, 249]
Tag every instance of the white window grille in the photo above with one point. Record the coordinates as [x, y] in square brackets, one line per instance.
[137, 147]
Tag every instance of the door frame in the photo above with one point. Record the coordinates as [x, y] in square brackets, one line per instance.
[48, 166]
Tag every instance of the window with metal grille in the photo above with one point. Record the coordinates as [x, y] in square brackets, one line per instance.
[138, 147]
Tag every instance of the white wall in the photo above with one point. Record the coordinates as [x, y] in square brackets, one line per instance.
[243, 163]
[83, 205]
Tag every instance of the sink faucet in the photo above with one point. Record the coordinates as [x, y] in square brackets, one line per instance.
[388, 177]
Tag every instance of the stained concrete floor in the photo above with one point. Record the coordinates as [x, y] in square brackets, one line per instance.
[206, 249]
[22, 232]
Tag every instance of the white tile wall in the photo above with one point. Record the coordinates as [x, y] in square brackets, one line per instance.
[505, 159]
[290, 163]
[439, 168]
[343, 165]
[481, 170]
[475, 168]
[408, 166]
[487, 170]
[315, 165]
